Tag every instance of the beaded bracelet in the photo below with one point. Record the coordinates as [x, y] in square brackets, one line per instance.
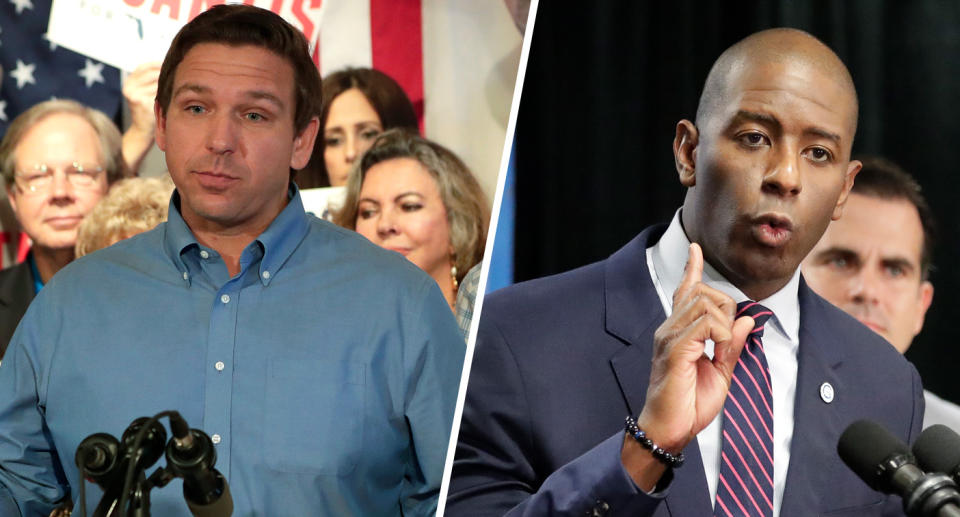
[670, 460]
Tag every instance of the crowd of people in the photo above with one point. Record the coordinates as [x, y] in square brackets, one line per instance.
[71, 214]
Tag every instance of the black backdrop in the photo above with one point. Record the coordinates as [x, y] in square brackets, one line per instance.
[607, 81]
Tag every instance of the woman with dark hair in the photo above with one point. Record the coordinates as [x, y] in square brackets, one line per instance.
[417, 198]
[358, 105]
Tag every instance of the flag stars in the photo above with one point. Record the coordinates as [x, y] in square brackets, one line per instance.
[24, 74]
[21, 5]
[92, 73]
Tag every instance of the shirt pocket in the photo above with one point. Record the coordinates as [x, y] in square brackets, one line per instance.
[314, 416]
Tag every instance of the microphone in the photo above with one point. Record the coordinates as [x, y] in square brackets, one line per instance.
[885, 463]
[97, 457]
[938, 450]
[192, 456]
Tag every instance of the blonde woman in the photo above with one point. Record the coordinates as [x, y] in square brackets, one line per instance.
[415, 197]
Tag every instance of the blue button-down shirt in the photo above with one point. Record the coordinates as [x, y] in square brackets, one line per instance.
[326, 371]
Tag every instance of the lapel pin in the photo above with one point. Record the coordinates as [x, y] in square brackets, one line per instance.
[826, 392]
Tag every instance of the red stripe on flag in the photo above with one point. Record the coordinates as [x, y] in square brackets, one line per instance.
[23, 247]
[397, 44]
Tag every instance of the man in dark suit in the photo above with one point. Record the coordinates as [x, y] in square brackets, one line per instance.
[57, 160]
[561, 361]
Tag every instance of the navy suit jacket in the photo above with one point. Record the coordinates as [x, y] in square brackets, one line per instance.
[560, 361]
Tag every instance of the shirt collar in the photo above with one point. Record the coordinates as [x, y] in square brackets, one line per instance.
[278, 241]
[35, 273]
[670, 258]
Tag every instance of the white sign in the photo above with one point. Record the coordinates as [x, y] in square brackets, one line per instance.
[126, 33]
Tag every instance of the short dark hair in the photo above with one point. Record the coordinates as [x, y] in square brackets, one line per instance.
[237, 25]
[881, 178]
[388, 99]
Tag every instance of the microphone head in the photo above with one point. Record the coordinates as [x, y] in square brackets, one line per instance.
[97, 456]
[865, 446]
[938, 449]
[152, 446]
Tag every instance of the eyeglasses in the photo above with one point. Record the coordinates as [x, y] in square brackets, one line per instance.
[37, 179]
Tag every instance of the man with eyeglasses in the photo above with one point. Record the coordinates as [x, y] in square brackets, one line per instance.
[57, 160]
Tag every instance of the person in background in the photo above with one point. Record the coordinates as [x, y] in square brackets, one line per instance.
[57, 159]
[875, 263]
[139, 91]
[360, 104]
[133, 205]
[416, 197]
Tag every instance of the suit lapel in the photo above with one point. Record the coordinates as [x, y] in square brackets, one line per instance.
[632, 312]
[816, 423]
[16, 286]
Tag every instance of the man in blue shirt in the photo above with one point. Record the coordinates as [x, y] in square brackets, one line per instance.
[324, 370]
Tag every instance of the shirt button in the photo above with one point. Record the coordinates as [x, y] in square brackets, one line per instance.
[186, 276]
[219, 366]
[225, 298]
[204, 254]
[215, 439]
[266, 274]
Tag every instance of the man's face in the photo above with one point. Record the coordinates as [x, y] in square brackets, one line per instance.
[767, 171]
[868, 264]
[51, 215]
[229, 138]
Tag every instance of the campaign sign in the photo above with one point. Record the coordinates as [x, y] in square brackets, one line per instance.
[126, 33]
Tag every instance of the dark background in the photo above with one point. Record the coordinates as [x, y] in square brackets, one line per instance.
[607, 82]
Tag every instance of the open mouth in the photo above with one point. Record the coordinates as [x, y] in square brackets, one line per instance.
[772, 230]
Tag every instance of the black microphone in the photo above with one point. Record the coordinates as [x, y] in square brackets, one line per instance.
[98, 457]
[938, 450]
[884, 462]
[192, 456]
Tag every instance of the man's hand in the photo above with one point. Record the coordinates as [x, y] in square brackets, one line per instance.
[687, 389]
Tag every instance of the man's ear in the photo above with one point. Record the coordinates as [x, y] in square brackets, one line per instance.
[303, 144]
[161, 133]
[685, 152]
[923, 303]
[852, 169]
[13, 199]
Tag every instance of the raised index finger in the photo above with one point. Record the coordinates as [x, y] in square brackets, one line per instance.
[692, 272]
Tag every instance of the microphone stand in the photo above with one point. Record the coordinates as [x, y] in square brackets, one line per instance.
[139, 495]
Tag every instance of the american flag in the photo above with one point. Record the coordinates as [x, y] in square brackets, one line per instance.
[36, 69]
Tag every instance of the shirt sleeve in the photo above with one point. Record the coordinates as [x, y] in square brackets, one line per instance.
[495, 469]
[31, 477]
[433, 361]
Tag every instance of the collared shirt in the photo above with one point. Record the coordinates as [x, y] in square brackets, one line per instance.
[781, 338]
[467, 298]
[325, 372]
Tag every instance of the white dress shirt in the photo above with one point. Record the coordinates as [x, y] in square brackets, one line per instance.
[666, 261]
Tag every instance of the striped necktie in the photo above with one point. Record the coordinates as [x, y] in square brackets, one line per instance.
[745, 487]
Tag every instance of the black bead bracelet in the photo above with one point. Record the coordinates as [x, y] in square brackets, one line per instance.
[670, 460]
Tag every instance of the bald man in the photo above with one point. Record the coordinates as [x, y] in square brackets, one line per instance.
[667, 332]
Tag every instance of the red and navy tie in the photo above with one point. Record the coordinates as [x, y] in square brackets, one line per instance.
[745, 487]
